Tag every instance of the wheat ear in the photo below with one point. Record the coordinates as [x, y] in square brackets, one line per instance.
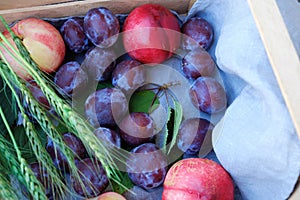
[44, 121]
[6, 190]
[76, 123]
[19, 167]
[35, 142]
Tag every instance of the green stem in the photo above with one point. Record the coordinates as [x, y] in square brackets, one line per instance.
[76, 122]
[35, 187]
[6, 191]
[38, 148]
[10, 134]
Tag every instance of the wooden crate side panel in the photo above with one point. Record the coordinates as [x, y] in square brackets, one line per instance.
[281, 52]
[11, 4]
[81, 7]
[283, 58]
[296, 193]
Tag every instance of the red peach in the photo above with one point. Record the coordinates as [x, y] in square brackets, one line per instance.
[44, 43]
[111, 196]
[197, 178]
[151, 33]
[21, 72]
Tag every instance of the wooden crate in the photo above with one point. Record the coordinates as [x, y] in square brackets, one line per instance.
[273, 41]
[15, 10]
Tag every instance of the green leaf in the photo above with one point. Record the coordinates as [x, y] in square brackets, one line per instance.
[143, 101]
[7, 105]
[61, 128]
[177, 122]
[103, 85]
[162, 137]
[24, 144]
[123, 185]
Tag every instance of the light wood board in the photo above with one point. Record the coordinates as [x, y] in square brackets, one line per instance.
[281, 52]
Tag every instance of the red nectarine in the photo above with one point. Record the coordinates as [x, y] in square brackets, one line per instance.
[151, 33]
[111, 196]
[197, 178]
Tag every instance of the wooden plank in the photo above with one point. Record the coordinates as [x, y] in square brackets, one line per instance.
[192, 2]
[81, 7]
[281, 52]
[11, 4]
[296, 193]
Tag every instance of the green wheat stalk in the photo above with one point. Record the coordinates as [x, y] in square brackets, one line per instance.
[20, 167]
[6, 190]
[74, 121]
[39, 150]
[44, 121]
[9, 162]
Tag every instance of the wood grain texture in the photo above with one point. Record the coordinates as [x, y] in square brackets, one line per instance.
[283, 58]
[296, 193]
[11, 4]
[81, 7]
[281, 52]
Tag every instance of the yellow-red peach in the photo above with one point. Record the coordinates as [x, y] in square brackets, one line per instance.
[109, 196]
[42, 40]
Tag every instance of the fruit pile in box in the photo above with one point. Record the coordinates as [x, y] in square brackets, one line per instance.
[94, 117]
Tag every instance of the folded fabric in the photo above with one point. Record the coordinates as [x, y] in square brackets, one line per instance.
[256, 141]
